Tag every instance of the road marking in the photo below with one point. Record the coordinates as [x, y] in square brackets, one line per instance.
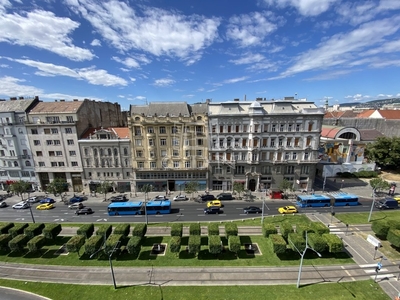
[368, 266]
[348, 273]
[98, 220]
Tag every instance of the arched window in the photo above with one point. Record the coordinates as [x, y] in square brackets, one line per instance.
[125, 151]
[101, 152]
[28, 163]
[126, 162]
[116, 162]
[15, 164]
[137, 119]
[10, 164]
[95, 152]
[198, 118]
[115, 151]
[109, 151]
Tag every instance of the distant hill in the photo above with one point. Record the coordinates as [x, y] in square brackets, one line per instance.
[372, 104]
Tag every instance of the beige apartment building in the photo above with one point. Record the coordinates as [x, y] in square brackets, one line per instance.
[169, 145]
[261, 143]
[53, 130]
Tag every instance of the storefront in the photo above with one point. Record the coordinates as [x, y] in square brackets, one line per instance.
[123, 187]
[179, 185]
[158, 186]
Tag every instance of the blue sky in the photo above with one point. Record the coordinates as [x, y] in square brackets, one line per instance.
[173, 50]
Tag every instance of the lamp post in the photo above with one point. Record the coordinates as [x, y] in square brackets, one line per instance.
[323, 185]
[372, 205]
[341, 186]
[302, 257]
[30, 209]
[262, 211]
[109, 260]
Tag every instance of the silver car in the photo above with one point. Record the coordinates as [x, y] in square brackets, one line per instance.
[21, 205]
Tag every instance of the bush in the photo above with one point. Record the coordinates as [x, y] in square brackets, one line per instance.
[17, 229]
[296, 242]
[214, 244]
[335, 244]
[194, 244]
[4, 239]
[18, 243]
[234, 244]
[319, 227]
[285, 229]
[380, 228]
[268, 228]
[93, 244]
[104, 230]
[86, 230]
[134, 245]
[345, 175]
[33, 230]
[139, 230]
[176, 229]
[303, 228]
[114, 240]
[175, 244]
[51, 231]
[194, 229]
[213, 229]
[394, 237]
[4, 229]
[75, 243]
[317, 242]
[278, 243]
[36, 243]
[123, 229]
[366, 174]
[231, 229]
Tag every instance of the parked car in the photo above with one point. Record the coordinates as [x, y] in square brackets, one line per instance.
[214, 203]
[119, 199]
[252, 210]
[397, 198]
[159, 198]
[84, 211]
[77, 205]
[45, 206]
[387, 203]
[21, 205]
[180, 198]
[76, 199]
[225, 196]
[207, 197]
[33, 199]
[213, 210]
[287, 209]
[3, 204]
[47, 200]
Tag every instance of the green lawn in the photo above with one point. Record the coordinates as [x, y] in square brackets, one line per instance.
[332, 291]
[362, 217]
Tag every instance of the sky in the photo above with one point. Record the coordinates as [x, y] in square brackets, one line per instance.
[138, 51]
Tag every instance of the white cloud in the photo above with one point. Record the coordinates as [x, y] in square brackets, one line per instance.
[248, 58]
[251, 29]
[305, 7]
[95, 42]
[153, 30]
[42, 30]
[132, 79]
[131, 62]
[188, 96]
[234, 80]
[164, 82]
[12, 86]
[4, 66]
[357, 97]
[121, 96]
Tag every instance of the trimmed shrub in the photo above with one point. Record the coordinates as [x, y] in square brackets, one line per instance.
[303, 228]
[231, 229]
[317, 242]
[176, 229]
[296, 242]
[234, 244]
[194, 229]
[36, 243]
[86, 230]
[51, 231]
[394, 237]
[33, 230]
[285, 229]
[175, 244]
[93, 244]
[104, 230]
[194, 244]
[366, 174]
[268, 228]
[214, 244]
[213, 229]
[380, 228]
[123, 229]
[4, 229]
[335, 244]
[113, 241]
[134, 245]
[75, 243]
[319, 227]
[17, 229]
[139, 230]
[278, 243]
[4, 239]
[18, 243]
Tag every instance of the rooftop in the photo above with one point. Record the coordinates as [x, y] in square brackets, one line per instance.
[57, 107]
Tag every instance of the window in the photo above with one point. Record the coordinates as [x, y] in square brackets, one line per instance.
[308, 142]
[244, 142]
[217, 170]
[61, 164]
[187, 153]
[280, 142]
[115, 151]
[116, 163]
[12, 153]
[163, 142]
[138, 142]
[86, 151]
[125, 151]
[290, 127]
[199, 152]
[287, 156]
[175, 153]
[174, 129]
[58, 143]
[186, 142]
[137, 130]
[310, 126]
[25, 173]
[305, 169]
[70, 119]
[49, 142]
[221, 143]
[151, 142]
[34, 131]
[150, 130]
[264, 142]
[187, 164]
[41, 164]
[152, 154]
[139, 153]
[36, 142]
[58, 153]
[244, 128]
[239, 170]
[199, 164]
[289, 142]
[298, 127]
[266, 170]
[153, 165]
[296, 142]
[39, 153]
[256, 128]
[54, 131]
[162, 130]
[221, 128]
[199, 142]
[54, 164]
[175, 142]
[70, 142]
[163, 153]
[214, 129]
[176, 164]
[273, 129]
[68, 130]
[282, 127]
[47, 131]
[199, 129]
[15, 164]
[74, 163]
[306, 155]
[294, 156]
[52, 153]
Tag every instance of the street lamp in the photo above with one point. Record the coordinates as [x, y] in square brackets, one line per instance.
[109, 260]
[372, 205]
[302, 257]
[323, 185]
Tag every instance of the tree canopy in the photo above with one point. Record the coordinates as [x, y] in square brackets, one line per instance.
[379, 184]
[57, 187]
[385, 152]
[104, 188]
[20, 188]
[238, 187]
[191, 187]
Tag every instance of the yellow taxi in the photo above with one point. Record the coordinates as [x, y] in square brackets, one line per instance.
[216, 203]
[45, 206]
[287, 209]
[397, 198]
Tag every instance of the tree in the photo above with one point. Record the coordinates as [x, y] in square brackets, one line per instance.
[191, 187]
[238, 187]
[379, 184]
[20, 188]
[285, 185]
[385, 152]
[104, 188]
[57, 187]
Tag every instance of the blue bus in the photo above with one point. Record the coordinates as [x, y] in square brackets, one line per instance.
[313, 200]
[344, 199]
[137, 208]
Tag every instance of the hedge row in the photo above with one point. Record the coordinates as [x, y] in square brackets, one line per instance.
[75, 243]
[213, 229]
[113, 241]
[194, 243]
[268, 229]
[214, 244]
[194, 229]
[285, 229]
[86, 230]
[123, 229]
[51, 231]
[104, 230]
[278, 243]
[4, 229]
[175, 244]
[234, 244]
[296, 242]
[231, 229]
[139, 230]
[17, 229]
[134, 245]
[33, 230]
[36, 243]
[4, 239]
[18, 243]
[177, 229]
[319, 228]
[334, 243]
[93, 244]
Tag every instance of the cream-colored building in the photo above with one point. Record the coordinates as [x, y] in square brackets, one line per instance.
[54, 129]
[260, 143]
[169, 145]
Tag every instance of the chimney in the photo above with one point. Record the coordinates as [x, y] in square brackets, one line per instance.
[36, 97]
[236, 99]
[62, 100]
[75, 100]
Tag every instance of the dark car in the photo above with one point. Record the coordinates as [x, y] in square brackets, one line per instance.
[225, 196]
[76, 199]
[213, 210]
[119, 199]
[3, 204]
[47, 200]
[84, 211]
[252, 210]
[387, 203]
[207, 197]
